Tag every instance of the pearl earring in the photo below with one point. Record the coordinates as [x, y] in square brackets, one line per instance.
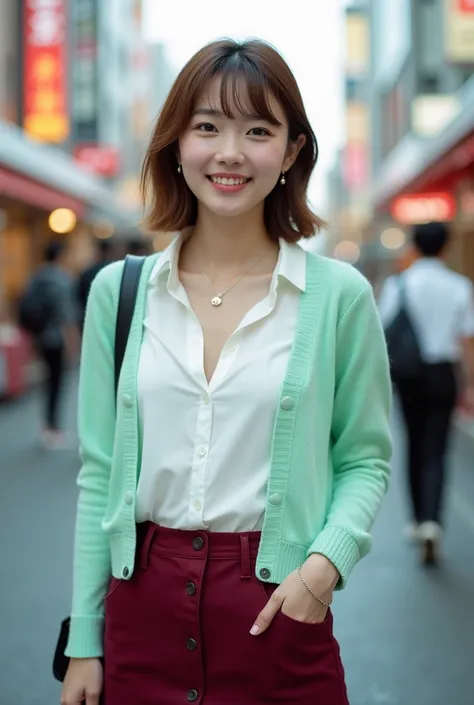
[283, 180]
[179, 169]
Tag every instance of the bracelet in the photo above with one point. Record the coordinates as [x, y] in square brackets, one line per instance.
[318, 599]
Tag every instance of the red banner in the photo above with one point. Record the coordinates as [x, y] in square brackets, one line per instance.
[46, 115]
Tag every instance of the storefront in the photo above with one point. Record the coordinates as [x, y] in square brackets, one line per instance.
[44, 194]
[434, 180]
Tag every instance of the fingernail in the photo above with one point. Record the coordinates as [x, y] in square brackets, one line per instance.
[255, 630]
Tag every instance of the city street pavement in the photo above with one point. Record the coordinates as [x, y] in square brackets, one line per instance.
[406, 634]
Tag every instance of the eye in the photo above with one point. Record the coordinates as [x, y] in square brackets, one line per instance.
[205, 127]
[259, 132]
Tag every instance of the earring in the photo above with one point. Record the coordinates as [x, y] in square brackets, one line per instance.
[179, 169]
[283, 180]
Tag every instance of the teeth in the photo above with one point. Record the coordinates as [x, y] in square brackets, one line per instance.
[228, 182]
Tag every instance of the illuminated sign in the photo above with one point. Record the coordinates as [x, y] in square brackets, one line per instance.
[423, 208]
[45, 78]
[99, 159]
[459, 31]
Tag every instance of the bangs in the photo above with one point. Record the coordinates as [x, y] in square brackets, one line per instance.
[244, 88]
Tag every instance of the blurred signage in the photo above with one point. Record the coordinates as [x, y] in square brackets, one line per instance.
[45, 70]
[431, 113]
[85, 76]
[423, 207]
[356, 152]
[357, 44]
[99, 159]
[459, 31]
[466, 6]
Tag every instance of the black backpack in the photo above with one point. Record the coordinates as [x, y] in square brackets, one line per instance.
[38, 306]
[402, 343]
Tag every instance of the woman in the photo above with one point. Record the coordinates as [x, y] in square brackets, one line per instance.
[235, 488]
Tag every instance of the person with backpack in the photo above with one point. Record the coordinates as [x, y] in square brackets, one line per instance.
[428, 316]
[48, 313]
[230, 481]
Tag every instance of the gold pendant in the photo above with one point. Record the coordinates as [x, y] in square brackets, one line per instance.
[217, 300]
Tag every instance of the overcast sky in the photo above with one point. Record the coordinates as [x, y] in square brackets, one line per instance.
[307, 32]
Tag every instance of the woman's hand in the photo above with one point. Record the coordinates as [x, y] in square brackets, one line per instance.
[295, 601]
[83, 682]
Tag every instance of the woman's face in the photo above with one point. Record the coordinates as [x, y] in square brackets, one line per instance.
[232, 164]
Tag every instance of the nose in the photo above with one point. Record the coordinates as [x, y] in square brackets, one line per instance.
[229, 151]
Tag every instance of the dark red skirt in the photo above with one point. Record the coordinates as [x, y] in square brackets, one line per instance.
[178, 631]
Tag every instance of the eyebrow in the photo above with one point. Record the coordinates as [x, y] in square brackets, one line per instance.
[211, 112]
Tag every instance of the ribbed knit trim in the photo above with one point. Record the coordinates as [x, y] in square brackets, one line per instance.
[86, 637]
[282, 445]
[340, 547]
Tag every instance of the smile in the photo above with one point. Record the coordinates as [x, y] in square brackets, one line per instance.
[229, 184]
[228, 180]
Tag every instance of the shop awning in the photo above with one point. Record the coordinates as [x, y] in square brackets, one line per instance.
[414, 157]
[55, 169]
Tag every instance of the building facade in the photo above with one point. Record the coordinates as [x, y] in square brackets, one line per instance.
[422, 106]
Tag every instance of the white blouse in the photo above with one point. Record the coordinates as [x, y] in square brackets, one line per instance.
[207, 446]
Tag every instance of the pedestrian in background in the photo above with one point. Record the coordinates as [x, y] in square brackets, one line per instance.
[231, 487]
[440, 306]
[104, 256]
[48, 312]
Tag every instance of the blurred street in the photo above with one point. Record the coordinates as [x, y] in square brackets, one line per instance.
[407, 635]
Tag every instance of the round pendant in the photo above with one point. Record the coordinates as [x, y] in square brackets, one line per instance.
[216, 301]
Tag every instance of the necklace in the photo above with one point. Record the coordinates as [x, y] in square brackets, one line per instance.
[219, 297]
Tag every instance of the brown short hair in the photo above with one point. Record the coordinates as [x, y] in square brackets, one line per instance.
[172, 204]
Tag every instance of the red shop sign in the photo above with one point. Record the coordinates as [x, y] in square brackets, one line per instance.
[45, 73]
[99, 159]
[423, 208]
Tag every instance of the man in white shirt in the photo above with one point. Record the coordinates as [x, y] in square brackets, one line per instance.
[440, 305]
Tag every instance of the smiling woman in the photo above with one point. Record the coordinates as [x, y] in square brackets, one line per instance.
[229, 485]
[245, 101]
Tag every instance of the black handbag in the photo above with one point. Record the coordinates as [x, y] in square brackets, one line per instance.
[128, 294]
[402, 343]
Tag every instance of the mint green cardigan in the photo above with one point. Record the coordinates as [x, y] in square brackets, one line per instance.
[330, 452]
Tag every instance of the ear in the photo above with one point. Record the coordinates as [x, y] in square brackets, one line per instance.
[293, 149]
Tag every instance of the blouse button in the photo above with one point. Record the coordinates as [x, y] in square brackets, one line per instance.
[287, 403]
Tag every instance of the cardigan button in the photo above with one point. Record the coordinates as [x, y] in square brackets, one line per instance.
[275, 498]
[265, 573]
[287, 403]
[127, 400]
[129, 498]
[125, 572]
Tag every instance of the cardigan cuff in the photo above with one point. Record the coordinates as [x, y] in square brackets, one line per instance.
[86, 637]
[337, 544]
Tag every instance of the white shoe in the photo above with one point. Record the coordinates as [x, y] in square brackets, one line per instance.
[430, 536]
[411, 532]
[55, 440]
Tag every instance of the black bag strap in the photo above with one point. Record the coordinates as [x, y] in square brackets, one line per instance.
[132, 270]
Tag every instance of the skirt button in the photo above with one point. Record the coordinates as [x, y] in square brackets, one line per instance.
[192, 695]
[190, 588]
[191, 644]
[198, 543]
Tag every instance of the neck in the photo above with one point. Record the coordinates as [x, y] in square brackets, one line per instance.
[231, 243]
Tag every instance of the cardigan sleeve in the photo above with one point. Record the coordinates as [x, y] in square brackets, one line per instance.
[361, 435]
[96, 419]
